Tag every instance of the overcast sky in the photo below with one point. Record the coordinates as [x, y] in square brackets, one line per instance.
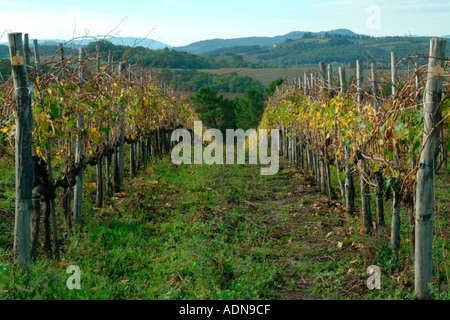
[180, 22]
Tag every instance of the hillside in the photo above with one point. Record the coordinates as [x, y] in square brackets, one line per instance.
[124, 41]
[313, 48]
[215, 44]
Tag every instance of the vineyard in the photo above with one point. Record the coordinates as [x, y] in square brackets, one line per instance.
[373, 133]
[84, 110]
[65, 123]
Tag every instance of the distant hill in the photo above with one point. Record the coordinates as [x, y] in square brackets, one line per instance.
[215, 44]
[313, 48]
[125, 41]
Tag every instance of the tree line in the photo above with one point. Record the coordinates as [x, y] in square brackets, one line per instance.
[239, 113]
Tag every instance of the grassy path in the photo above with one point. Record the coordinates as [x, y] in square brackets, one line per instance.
[214, 232]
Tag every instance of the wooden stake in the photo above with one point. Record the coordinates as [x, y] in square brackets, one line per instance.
[393, 72]
[37, 57]
[342, 79]
[24, 173]
[359, 85]
[426, 172]
[79, 153]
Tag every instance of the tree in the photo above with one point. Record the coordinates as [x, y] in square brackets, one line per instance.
[273, 86]
[249, 109]
[215, 111]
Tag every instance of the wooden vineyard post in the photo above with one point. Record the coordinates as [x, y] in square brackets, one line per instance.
[109, 188]
[375, 86]
[121, 149]
[132, 159]
[61, 53]
[322, 72]
[365, 199]
[305, 83]
[99, 201]
[349, 185]
[79, 154]
[330, 81]
[395, 223]
[26, 50]
[24, 173]
[51, 203]
[426, 171]
[349, 188]
[394, 72]
[37, 58]
[342, 79]
[359, 85]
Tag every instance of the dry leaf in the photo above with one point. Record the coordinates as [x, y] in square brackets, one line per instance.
[349, 271]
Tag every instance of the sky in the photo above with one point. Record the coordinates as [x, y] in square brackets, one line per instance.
[181, 22]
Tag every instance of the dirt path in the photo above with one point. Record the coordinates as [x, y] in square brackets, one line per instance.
[307, 226]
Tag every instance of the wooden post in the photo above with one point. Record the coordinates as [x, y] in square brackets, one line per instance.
[116, 176]
[98, 59]
[61, 52]
[396, 219]
[305, 83]
[349, 186]
[342, 79]
[35, 221]
[109, 188]
[380, 223]
[393, 72]
[37, 57]
[24, 173]
[412, 231]
[322, 72]
[26, 50]
[79, 153]
[99, 201]
[365, 198]
[427, 167]
[359, 85]
[133, 159]
[375, 87]
[121, 151]
[330, 81]
[417, 80]
[52, 203]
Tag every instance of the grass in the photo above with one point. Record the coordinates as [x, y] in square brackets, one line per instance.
[219, 232]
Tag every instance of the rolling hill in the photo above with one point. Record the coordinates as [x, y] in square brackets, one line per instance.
[214, 44]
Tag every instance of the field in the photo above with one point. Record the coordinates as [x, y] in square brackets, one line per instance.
[264, 75]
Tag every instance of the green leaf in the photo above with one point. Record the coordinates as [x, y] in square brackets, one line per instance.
[71, 123]
[70, 86]
[416, 145]
[388, 182]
